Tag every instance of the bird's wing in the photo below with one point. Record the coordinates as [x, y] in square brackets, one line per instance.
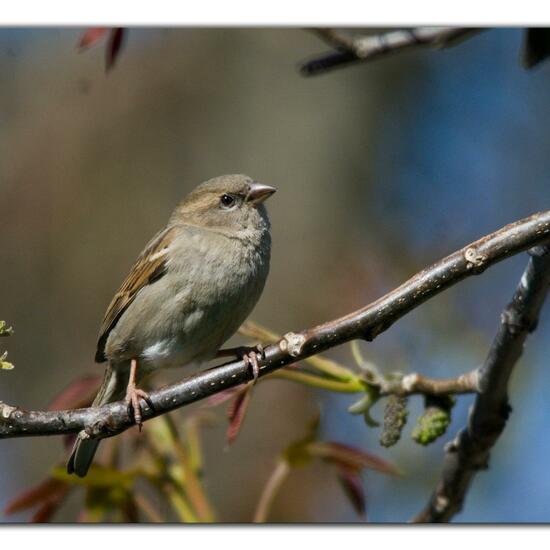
[149, 267]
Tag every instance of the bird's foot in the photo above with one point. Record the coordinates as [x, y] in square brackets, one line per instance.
[251, 360]
[249, 355]
[132, 398]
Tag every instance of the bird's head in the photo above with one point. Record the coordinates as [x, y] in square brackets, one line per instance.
[231, 203]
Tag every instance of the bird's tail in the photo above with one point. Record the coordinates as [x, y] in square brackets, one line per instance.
[113, 388]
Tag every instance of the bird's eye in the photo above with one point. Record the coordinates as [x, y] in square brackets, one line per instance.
[227, 201]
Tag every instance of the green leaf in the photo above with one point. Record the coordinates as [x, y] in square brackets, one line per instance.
[101, 501]
[5, 330]
[4, 365]
[297, 455]
[364, 405]
[98, 477]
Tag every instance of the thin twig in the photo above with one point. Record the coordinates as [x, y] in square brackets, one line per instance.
[366, 323]
[359, 48]
[415, 383]
[470, 450]
[279, 474]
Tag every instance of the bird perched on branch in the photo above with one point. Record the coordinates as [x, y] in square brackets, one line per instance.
[188, 292]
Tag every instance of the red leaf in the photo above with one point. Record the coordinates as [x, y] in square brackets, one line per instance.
[350, 457]
[236, 413]
[113, 48]
[45, 512]
[92, 36]
[116, 38]
[79, 393]
[353, 487]
[222, 396]
[38, 494]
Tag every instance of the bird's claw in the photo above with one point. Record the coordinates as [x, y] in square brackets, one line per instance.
[133, 395]
[251, 360]
[249, 355]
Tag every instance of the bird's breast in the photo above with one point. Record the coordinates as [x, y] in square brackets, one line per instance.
[196, 306]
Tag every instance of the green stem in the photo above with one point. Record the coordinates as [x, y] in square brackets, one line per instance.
[180, 504]
[351, 386]
[193, 444]
[327, 366]
[191, 483]
[279, 474]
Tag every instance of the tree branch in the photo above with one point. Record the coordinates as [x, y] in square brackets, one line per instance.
[470, 450]
[366, 323]
[415, 383]
[360, 48]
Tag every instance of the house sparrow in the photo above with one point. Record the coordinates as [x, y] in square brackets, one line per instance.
[188, 292]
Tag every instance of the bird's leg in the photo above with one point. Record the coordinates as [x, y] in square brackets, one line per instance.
[133, 394]
[248, 355]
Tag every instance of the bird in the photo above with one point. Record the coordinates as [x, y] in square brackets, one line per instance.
[187, 293]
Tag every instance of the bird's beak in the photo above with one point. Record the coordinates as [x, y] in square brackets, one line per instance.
[259, 193]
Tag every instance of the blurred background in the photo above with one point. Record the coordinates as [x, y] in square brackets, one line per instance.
[382, 168]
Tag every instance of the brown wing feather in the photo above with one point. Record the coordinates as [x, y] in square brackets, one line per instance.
[149, 267]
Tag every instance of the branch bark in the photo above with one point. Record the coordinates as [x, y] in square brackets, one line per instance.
[470, 450]
[365, 323]
[415, 383]
[360, 48]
